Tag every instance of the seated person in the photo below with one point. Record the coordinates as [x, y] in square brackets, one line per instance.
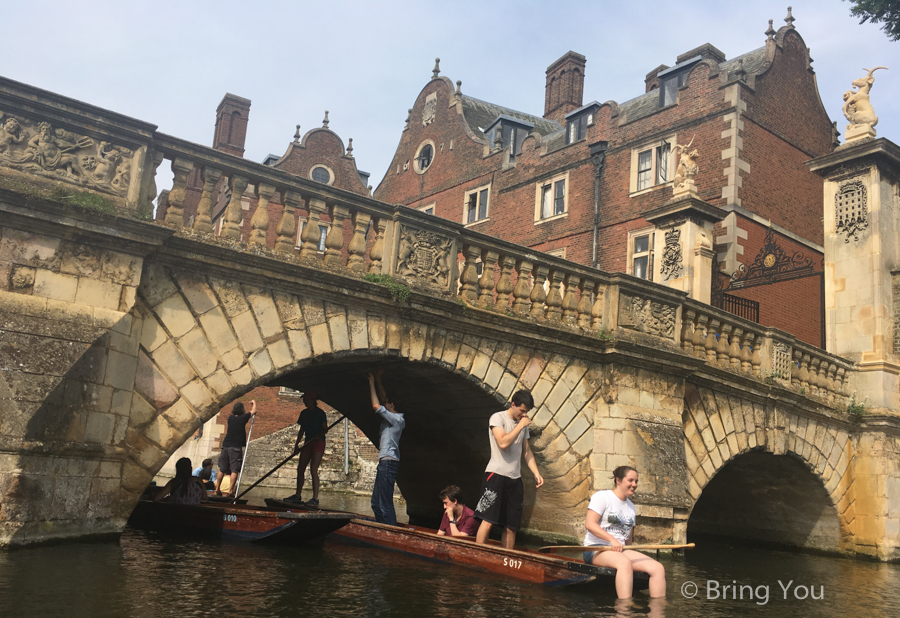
[184, 488]
[206, 474]
[225, 487]
[458, 520]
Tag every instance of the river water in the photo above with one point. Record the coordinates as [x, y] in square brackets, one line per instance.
[150, 575]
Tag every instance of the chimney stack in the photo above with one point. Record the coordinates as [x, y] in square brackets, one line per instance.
[565, 86]
[232, 116]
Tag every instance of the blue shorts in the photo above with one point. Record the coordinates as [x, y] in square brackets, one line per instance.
[589, 555]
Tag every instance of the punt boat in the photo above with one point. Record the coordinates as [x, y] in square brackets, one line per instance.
[237, 521]
[523, 564]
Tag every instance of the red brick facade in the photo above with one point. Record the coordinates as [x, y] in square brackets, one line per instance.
[768, 96]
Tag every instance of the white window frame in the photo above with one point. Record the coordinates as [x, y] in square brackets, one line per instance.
[322, 234]
[539, 194]
[487, 208]
[428, 209]
[324, 167]
[653, 148]
[633, 235]
[416, 168]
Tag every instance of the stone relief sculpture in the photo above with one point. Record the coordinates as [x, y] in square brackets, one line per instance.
[687, 168]
[62, 155]
[424, 255]
[851, 212]
[647, 316]
[857, 108]
[672, 266]
[430, 109]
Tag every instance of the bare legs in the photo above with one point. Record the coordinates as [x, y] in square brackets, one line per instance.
[628, 561]
[508, 539]
[313, 460]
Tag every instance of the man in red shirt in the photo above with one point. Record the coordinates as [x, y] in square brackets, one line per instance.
[458, 520]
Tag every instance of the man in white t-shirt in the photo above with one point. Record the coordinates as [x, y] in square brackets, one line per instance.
[502, 491]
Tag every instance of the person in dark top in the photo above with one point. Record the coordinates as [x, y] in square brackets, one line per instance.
[458, 520]
[232, 458]
[184, 488]
[313, 423]
[206, 474]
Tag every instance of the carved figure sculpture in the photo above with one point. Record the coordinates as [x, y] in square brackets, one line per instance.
[52, 151]
[857, 108]
[10, 133]
[687, 165]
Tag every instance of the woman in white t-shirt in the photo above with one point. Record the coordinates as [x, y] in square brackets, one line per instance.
[610, 521]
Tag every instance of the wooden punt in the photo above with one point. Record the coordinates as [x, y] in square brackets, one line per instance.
[237, 521]
[523, 564]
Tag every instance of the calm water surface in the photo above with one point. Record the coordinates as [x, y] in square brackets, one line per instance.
[150, 575]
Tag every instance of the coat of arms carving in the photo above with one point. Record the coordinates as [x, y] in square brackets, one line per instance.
[430, 109]
[424, 255]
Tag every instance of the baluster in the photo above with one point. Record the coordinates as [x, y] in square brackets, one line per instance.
[334, 240]
[597, 307]
[377, 252]
[734, 350]
[804, 373]
[175, 209]
[814, 376]
[795, 368]
[259, 223]
[522, 291]
[756, 359]
[486, 281]
[154, 159]
[203, 220]
[504, 285]
[711, 341]
[538, 295]
[746, 354]
[687, 331]
[357, 248]
[469, 276]
[830, 384]
[842, 386]
[234, 212]
[584, 304]
[311, 234]
[284, 241]
[722, 350]
[554, 298]
[569, 303]
[700, 335]
[822, 382]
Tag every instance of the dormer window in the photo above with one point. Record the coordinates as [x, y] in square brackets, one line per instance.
[672, 79]
[579, 120]
[512, 131]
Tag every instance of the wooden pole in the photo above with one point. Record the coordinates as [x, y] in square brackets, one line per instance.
[555, 548]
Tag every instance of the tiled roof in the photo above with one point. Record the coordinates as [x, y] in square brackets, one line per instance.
[480, 114]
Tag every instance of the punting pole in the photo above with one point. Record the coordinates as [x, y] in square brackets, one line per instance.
[289, 457]
[244, 460]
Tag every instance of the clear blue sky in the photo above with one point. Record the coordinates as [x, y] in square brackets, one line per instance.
[170, 63]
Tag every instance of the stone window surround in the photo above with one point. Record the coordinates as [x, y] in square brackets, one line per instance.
[629, 258]
[434, 152]
[322, 235]
[466, 197]
[326, 168]
[653, 145]
[427, 208]
[538, 187]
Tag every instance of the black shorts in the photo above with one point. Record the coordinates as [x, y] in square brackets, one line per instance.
[501, 501]
[231, 459]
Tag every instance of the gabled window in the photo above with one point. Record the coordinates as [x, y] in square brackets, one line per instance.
[672, 79]
[579, 120]
[512, 131]
[551, 199]
[476, 205]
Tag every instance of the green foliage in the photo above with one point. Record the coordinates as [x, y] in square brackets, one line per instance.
[605, 335]
[803, 391]
[885, 12]
[398, 291]
[87, 201]
[856, 408]
[774, 375]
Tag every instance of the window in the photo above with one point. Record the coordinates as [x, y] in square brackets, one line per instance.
[323, 232]
[322, 173]
[428, 209]
[476, 205]
[668, 88]
[651, 165]
[577, 126]
[284, 390]
[551, 198]
[424, 157]
[640, 258]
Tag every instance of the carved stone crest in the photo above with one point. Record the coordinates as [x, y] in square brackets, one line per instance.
[430, 108]
[38, 148]
[424, 255]
[647, 316]
[672, 267]
[781, 361]
[851, 213]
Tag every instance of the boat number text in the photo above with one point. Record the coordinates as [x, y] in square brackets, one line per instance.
[230, 517]
[513, 564]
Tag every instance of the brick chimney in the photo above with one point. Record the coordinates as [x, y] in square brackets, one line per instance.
[565, 86]
[232, 116]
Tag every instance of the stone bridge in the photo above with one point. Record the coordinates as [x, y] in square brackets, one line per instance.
[120, 336]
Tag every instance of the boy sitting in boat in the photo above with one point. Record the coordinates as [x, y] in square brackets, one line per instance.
[458, 520]
[502, 491]
[184, 488]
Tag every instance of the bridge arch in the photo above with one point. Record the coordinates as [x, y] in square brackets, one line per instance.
[758, 472]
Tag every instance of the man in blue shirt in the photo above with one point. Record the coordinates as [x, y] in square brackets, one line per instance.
[388, 451]
[206, 474]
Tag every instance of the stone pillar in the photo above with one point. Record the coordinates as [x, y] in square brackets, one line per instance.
[862, 258]
[684, 244]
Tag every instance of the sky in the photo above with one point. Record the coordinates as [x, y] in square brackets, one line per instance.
[170, 63]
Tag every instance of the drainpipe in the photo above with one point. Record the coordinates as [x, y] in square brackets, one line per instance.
[598, 157]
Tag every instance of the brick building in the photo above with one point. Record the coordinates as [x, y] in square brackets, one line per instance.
[587, 181]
